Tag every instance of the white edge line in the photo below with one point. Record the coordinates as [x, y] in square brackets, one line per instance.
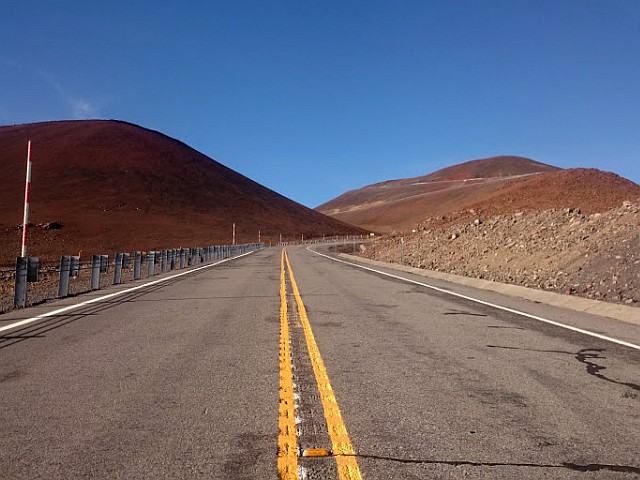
[493, 305]
[115, 294]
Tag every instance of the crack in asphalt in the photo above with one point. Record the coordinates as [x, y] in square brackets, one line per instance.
[584, 356]
[589, 467]
[462, 312]
[587, 354]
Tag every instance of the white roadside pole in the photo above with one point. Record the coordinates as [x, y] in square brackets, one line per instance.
[27, 194]
[233, 240]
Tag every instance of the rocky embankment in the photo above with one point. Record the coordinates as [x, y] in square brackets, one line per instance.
[594, 256]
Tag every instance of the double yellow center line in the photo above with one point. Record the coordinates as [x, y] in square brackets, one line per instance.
[342, 449]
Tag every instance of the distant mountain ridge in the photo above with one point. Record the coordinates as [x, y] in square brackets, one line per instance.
[492, 167]
[496, 184]
[117, 186]
[501, 166]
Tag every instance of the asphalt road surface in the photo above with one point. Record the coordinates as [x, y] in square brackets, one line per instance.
[298, 366]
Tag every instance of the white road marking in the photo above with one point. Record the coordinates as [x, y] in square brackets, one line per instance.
[112, 295]
[482, 302]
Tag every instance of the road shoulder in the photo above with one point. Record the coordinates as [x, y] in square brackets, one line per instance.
[594, 307]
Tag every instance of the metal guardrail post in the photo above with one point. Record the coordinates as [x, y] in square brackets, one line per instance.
[151, 257]
[163, 261]
[137, 264]
[65, 272]
[33, 269]
[183, 257]
[75, 266]
[104, 263]
[95, 272]
[117, 271]
[20, 289]
[172, 259]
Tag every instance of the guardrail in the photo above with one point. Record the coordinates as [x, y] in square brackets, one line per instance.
[32, 282]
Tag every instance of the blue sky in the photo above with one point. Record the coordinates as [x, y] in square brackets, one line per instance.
[313, 98]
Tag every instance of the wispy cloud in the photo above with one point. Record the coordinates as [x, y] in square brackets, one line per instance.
[84, 110]
[80, 108]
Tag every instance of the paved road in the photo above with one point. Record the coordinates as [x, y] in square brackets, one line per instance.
[190, 379]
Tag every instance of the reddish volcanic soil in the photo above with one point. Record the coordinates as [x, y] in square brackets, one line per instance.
[587, 189]
[510, 184]
[502, 166]
[569, 231]
[115, 186]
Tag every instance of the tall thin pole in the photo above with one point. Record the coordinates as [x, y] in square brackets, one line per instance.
[27, 194]
[234, 234]
[258, 236]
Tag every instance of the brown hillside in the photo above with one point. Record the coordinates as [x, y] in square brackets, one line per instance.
[583, 189]
[116, 186]
[589, 189]
[502, 166]
[397, 204]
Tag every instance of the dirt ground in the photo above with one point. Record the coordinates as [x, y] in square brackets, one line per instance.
[567, 251]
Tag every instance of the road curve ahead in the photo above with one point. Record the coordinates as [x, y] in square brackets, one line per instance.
[294, 365]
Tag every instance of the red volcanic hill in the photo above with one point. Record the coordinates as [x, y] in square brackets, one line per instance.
[502, 166]
[115, 186]
[494, 185]
[589, 189]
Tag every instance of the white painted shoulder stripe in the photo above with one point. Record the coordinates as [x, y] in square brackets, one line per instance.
[112, 295]
[482, 302]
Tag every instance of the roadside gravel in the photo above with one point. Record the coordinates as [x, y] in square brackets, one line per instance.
[594, 256]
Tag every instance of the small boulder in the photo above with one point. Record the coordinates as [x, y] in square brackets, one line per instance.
[52, 226]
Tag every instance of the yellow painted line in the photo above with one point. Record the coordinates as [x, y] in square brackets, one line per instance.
[342, 449]
[287, 448]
